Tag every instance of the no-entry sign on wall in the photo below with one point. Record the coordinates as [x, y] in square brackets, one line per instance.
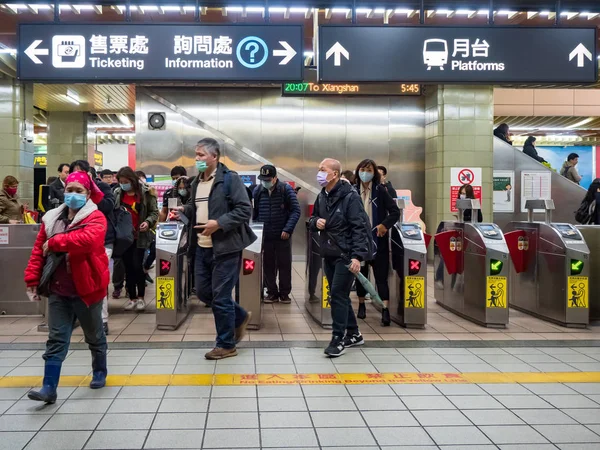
[460, 176]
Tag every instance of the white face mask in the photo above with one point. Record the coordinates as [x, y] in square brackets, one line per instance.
[463, 196]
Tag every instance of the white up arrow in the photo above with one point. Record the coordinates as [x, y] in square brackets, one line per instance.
[289, 53]
[33, 52]
[337, 50]
[580, 51]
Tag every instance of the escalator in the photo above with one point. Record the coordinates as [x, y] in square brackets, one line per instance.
[566, 195]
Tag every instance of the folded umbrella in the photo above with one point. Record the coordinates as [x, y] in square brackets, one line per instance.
[368, 287]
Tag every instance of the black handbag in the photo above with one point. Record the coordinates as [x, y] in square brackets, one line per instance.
[53, 260]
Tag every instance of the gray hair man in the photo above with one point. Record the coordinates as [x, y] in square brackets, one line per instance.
[340, 218]
[220, 209]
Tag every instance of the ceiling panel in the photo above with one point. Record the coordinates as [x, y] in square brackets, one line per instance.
[95, 98]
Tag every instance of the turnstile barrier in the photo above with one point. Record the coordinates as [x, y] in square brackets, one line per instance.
[553, 280]
[172, 290]
[16, 244]
[250, 286]
[472, 266]
[591, 234]
[317, 299]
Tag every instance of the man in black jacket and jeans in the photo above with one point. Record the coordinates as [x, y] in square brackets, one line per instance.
[340, 218]
[277, 207]
[220, 209]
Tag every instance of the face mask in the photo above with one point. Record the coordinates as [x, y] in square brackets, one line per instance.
[126, 186]
[201, 166]
[183, 192]
[322, 178]
[75, 201]
[365, 176]
[267, 184]
[173, 183]
[11, 191]
[463, 196]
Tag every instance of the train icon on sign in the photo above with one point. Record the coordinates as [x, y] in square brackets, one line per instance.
[435, 53]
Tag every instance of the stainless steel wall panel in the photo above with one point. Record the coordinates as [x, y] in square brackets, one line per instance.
[157, 151]
[294, 133]
[367, 131]
[406, 166]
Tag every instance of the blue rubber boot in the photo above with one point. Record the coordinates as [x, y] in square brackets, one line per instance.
[51, 377]
[99, 370]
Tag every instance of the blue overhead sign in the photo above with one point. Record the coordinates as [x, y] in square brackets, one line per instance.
[140, 52]
[457, 54]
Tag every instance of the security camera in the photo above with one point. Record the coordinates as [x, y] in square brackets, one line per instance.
[27, 139]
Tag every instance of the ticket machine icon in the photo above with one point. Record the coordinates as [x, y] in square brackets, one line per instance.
[435, 53]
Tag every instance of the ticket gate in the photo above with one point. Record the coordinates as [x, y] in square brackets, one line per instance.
[408, 272]
[16, 244]
[471, 269]
[551, 272]
[249, 291]
[591, 234]
[172, 290]
[316, 297]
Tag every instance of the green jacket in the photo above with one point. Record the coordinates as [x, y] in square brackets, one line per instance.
[148, 213]
[10, 208]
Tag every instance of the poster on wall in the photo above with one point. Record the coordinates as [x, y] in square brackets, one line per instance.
[249, 178]
[557, 156]
[535, 186]
[503, 190]
[460, 176]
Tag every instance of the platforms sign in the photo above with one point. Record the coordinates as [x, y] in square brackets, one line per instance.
[457, 54]
[139, 52]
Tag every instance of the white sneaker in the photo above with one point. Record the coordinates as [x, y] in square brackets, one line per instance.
[140, 305]
[130, 305]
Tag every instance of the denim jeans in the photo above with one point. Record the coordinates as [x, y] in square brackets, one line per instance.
[340, 281]
[215, 280]
[62, 312]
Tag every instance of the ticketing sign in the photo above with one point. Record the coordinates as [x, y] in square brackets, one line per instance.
[457, 54]
[141, 52]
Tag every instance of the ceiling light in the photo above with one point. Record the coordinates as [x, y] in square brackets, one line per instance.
[234, 9]
[255, 9]
[9, 51]
[379, 10]
[189, 8]
[277, 9]
[124, 119]
[340, 10]
[464, 12]
[363, 10]
[170, 8]
[582, 122]
[299, 10]
[403, 11]
[149, 8]
[483, 11]
[72, 96]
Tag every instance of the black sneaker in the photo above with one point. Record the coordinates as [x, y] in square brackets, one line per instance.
[336, 347]
[362, 311]
[353, 341]
[271, 299]
[385, 317]
[285, 299]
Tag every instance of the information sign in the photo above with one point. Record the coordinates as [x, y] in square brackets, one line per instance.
[139, 52]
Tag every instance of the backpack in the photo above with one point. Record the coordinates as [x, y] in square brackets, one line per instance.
[123, 226]
[585, 213]
[258, 191]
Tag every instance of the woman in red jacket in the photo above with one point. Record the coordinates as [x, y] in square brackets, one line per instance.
[76, 229]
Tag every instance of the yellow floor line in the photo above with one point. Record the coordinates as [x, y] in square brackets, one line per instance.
[314, 378]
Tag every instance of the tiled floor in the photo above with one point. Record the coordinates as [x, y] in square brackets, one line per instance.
[385, 416]
[292, 323]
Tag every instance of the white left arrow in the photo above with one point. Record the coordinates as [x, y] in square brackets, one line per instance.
[580, 51]
[288, 52]
[33, 52]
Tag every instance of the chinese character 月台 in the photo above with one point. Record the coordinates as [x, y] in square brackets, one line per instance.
[480, 49]
[461, 46]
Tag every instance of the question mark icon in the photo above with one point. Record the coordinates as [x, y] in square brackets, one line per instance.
[254, 47]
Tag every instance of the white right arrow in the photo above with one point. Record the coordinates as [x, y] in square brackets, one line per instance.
[337, 50]
[289, 53]
[580, 51]
[33, 52]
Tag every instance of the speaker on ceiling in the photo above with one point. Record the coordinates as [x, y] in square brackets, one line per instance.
[157, 120]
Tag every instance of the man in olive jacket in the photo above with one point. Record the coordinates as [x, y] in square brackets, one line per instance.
[220, 209]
